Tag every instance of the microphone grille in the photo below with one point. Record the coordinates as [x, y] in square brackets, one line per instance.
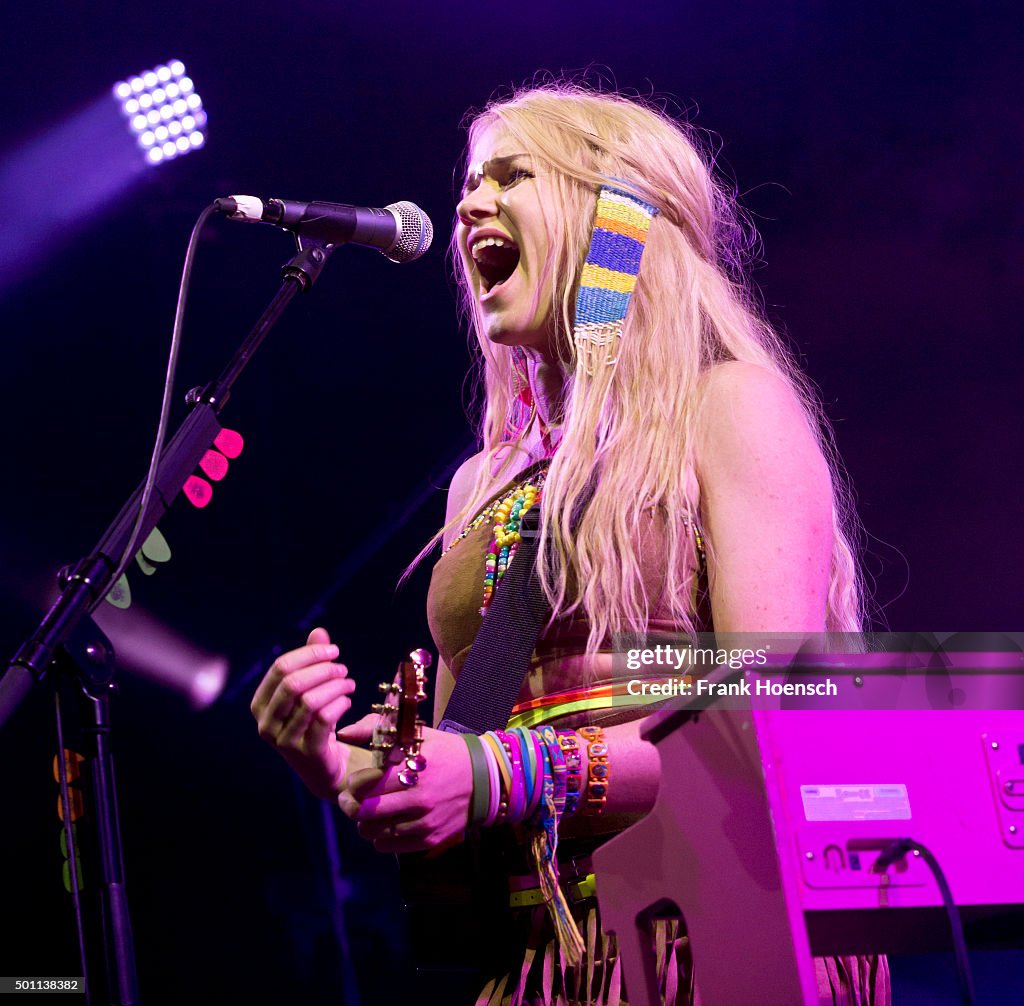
[414, 234]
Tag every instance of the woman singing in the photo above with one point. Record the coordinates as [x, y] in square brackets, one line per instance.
[635, 395]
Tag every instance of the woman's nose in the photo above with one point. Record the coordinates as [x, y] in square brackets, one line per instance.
[478, 203]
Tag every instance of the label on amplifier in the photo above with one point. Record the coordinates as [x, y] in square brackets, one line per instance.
[866, 802]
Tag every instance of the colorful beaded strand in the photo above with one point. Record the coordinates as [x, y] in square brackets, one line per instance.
[505, 541]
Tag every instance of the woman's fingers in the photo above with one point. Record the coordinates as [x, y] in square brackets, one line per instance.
[287, 689]
[405, 833]
[318, 706]
[318, 635]
[288, 664]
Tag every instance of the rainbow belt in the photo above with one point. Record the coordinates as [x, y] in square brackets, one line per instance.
[605, 695]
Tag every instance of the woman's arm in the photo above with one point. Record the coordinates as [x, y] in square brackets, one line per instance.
[297, 707]
[766, 502]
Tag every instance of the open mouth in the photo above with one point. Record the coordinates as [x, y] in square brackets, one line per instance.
[495, 259]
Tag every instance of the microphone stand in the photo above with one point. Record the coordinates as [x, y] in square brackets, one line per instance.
[69, 642]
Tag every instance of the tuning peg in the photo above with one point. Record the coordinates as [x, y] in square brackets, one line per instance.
[214, 465]
[421, 658]
[383, 709]
[198, 491]
[229, 442]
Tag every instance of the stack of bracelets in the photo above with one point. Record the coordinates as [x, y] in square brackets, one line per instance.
[534, 778]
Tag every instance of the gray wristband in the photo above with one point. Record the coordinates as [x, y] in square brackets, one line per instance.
[481, 780]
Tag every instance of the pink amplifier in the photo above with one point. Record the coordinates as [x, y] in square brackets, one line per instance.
[769, 822]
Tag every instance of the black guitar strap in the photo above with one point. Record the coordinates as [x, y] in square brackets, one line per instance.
[499, 658]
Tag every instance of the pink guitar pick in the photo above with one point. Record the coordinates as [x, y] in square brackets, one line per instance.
[229, 442]
[198, 491]
[214, 465]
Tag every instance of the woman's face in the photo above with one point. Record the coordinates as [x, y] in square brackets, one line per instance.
[503, 236]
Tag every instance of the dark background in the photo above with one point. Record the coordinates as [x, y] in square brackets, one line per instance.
[878, 147]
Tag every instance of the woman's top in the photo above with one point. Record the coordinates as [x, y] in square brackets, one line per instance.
[562, 686]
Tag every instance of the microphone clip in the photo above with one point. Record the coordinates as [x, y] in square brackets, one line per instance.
[308, 262]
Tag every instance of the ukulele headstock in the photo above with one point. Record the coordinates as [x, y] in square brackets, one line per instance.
[398, 735]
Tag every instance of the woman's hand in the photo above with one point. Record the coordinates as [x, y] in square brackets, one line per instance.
[297, 706]
[399, 818]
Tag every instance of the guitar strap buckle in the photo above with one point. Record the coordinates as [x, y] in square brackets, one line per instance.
[450, 726]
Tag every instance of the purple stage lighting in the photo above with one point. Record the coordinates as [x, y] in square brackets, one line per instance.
[163, 111]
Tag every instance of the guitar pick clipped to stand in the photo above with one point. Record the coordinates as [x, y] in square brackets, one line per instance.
[70, 649]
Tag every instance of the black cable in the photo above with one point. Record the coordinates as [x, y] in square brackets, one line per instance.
[897, 851]
[165, 405]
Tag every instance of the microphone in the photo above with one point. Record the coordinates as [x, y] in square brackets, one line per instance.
[401, 232]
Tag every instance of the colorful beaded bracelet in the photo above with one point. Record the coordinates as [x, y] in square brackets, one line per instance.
[598, 770]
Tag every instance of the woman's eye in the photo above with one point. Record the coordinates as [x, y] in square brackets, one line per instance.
[515, 175]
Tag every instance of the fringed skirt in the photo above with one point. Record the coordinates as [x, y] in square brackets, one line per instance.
[511, 956]
[538, 975]
[542, 977]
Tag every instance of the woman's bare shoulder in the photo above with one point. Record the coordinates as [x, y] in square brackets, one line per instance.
[748, 415]
[750, 386]
[460, 489]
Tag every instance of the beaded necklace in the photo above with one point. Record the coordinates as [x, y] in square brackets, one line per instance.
[505, 543]
[506, 512]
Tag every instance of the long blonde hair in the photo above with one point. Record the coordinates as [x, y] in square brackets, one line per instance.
[634, 422]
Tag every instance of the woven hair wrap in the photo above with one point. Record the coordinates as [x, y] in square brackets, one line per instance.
[609, 274]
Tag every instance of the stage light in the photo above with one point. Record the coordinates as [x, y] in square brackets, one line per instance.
[163, 98]
[111, 142]
[150, 648]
